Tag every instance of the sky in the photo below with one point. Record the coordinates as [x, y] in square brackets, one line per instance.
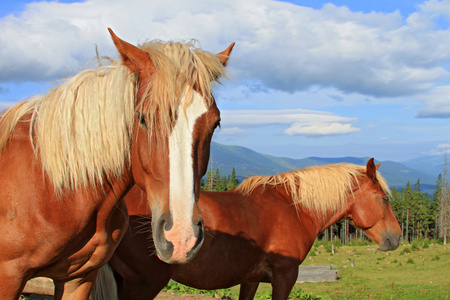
[306, 78]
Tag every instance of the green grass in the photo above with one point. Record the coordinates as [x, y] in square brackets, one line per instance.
[400, 274]
[422, 273]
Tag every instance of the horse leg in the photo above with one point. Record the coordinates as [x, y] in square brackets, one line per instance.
[76, 288]
[282, 282]
[11, 285]
[247, 291]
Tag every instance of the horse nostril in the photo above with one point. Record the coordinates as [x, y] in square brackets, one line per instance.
[164, 247]
[166, 223]
[200, 228]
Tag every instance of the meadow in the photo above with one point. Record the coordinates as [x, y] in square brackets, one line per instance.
[420, 270]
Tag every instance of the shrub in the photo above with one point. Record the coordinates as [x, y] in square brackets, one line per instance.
[178, 288]
[361, 243]
[415, 245]
[404, 251]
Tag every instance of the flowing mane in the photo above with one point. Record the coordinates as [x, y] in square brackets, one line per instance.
[82, 128]
[318, 188]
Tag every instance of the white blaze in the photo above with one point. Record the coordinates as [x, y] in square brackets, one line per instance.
[182, 196]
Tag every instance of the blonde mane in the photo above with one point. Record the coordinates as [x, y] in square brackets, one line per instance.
[317, 188]
[82, 128]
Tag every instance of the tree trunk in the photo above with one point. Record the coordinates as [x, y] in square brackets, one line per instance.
[407, 225]
[445, 235]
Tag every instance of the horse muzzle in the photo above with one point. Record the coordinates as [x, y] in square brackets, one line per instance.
[390, 241]
[177, 243]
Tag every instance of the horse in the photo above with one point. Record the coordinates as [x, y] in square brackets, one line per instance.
[68, 157]
[260, 231]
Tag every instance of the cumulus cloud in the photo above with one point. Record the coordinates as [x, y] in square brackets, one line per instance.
[298, 121]
[285, 46]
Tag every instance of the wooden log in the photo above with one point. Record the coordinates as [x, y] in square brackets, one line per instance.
[317, 273]
[40, 286]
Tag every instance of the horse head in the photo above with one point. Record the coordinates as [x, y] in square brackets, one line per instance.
[372, 212]
[175, 119]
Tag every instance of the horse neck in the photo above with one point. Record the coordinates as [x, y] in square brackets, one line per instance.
[332, 217]
[320, 220]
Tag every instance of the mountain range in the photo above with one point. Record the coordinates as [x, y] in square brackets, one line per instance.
[247, 162]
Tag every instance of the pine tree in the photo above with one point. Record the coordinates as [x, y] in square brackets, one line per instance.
[406, 196]
[208, 185]
[417, 211]
[427, 219]
[216, 181]
[396, 204]
[434, 207]
[233, 181]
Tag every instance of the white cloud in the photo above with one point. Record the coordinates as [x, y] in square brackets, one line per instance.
[233, 131]
[320, 129]
[282, 116]
[285, 46]
[299, 121]
[436, 103]
[441, 149]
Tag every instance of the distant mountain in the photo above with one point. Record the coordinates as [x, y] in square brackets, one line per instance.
[249, 163]
[432, 165]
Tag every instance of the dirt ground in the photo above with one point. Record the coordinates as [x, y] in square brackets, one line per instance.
[161, 296]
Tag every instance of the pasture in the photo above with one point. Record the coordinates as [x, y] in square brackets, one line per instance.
[417, 271]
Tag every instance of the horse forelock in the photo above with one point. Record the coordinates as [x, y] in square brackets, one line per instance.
[82, 128]
[180, 69]
[317, 188]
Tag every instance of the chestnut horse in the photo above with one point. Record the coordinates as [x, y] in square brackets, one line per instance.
[67, 158]
[259, 232]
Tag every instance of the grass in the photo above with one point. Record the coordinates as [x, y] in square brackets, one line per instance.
[421, 271]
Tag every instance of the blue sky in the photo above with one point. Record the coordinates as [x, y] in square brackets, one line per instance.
[307, 78]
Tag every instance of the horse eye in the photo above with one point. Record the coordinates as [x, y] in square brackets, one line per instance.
[217, 125]
[142, 120]
[386, 199]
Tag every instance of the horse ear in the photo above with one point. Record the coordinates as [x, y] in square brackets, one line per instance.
[224, 55]
[371, 170]
[377, 166]
[133, 57]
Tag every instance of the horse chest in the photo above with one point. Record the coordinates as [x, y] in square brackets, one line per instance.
[93, 245]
